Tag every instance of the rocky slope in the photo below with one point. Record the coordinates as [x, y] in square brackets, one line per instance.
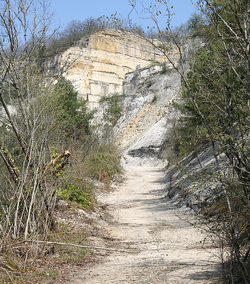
[147, 100]
[147, 108]
[140, 218]
[142, 131]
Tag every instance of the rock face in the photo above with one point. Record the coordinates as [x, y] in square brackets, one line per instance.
[142, 134]
[147, 99]
[148, 94]
[142, 131]
[97, 64]
[181, 183]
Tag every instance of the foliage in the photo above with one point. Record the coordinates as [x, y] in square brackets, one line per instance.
[77, 194]
[185, 137]
[216, 100]
[103, 164]
[43, 125]
[195, 21]
[215, 108]
[73, 32]
[114, 110]
[28, 128]
[74, 113]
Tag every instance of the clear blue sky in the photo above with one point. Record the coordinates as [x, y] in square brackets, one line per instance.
[66, 11]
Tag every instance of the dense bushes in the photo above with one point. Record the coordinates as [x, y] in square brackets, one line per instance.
[74, 115]
[81, 194]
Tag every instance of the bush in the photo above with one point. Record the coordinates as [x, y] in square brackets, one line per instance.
[94, 161]
[102, 165]
[114, 110]
[74, 113]
[80, 195]
[183, 138]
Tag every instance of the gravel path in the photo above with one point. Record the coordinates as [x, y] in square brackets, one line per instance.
[167, 248]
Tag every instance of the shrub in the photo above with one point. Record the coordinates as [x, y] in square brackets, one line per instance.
[74, 113]
[75, 193]
[102, 165]
[114, 110]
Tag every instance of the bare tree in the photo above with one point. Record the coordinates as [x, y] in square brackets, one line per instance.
[28, 169]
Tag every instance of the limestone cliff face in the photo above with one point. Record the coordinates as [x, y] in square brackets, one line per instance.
[97, 64]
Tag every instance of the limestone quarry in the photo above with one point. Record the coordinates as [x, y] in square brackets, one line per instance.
[97, 64]
[153, 239]
[118, 61]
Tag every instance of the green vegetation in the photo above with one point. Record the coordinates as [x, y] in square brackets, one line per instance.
[73, 110]
[75, 30]
[195, 22]
[215, 111]
[102, 165]
[47, 145]
[82, 195]
[114, 110]
[61, 40]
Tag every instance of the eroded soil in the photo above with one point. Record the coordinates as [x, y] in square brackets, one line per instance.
[160, 245]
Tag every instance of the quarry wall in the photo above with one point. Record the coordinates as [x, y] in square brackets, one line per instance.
[97, 64]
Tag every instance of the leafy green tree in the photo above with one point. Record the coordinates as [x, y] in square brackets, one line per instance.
[114, 110]
[75, 115]
[195, 20]
[112, 113]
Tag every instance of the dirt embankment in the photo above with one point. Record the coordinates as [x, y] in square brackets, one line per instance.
[162, 247]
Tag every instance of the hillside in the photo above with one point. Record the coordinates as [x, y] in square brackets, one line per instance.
[116, 151]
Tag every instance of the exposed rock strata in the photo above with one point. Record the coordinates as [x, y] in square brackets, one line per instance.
[148, 111]
[142, 133]
[148, 94]
[97, 64]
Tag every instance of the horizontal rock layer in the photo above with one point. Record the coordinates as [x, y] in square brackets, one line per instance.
[97, 64]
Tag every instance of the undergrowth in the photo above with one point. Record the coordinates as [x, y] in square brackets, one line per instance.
[79, 194]
[47, 262]
[102, 166]
[33, 262]
[183, 139]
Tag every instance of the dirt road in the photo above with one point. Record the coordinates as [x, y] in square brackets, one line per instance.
[167, 248]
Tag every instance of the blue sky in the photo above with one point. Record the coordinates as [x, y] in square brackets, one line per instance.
[66, 10]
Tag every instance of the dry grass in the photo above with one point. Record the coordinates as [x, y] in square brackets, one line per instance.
[31, 262]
